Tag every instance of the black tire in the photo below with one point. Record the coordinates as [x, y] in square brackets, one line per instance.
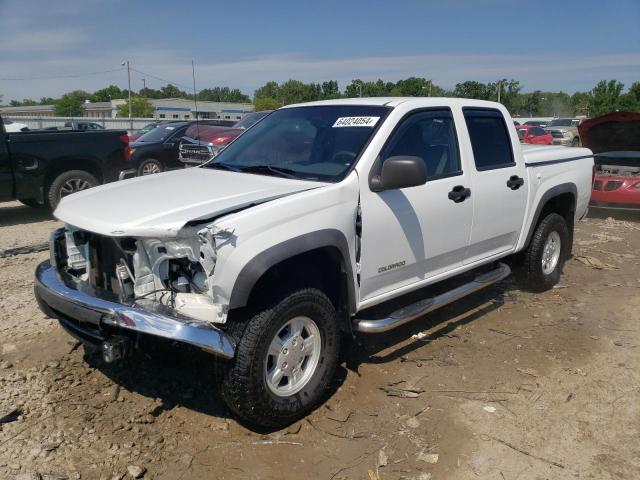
[244, 383]
[530, 273]
[150, 164]
[60, 186]
[576, 142]
[31, 202]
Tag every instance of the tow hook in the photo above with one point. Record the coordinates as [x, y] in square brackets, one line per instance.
[115, 349]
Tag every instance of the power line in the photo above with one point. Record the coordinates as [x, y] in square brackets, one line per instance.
[161, 79]
[53, 77]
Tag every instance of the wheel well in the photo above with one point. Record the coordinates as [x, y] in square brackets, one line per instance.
[66, 165]
[321, 268]
[563, 204]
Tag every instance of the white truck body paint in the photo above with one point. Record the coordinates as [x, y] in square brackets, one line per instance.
[420, 226]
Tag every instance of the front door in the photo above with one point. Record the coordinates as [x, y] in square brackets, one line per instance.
[412, 234]
[499, 189]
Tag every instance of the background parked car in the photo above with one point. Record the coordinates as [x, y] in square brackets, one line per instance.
[203, 142]
[565, 131]
[534, 135]
[157, 150]
[39, 168]
[615, 139]
[536, 123]
[12, 127]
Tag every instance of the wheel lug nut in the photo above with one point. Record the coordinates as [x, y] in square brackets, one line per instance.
[285, 351]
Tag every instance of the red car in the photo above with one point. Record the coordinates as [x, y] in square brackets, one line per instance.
[615, 139]
[533, 134]
[203, 142]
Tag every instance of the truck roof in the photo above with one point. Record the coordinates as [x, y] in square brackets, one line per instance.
[395, 101]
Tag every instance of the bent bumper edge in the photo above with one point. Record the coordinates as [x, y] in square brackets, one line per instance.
[75, 309]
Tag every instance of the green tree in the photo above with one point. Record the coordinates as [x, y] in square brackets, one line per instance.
[109, 93]
[473, 89]
[580, 103]
[70, 104]
[531, 103]
[47, 101]
[330, 89]
[265, 103]
[140, 108]
[171, 91]
[606, 97]
[631, 100]
[223, 94]
[269, 89]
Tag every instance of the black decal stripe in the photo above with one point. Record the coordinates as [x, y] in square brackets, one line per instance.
[553, 162]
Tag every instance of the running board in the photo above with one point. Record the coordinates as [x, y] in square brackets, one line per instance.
[422, 307]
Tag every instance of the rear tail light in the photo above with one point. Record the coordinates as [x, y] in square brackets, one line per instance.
[127, 149]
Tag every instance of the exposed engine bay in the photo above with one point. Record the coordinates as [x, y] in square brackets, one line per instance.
[174, 272]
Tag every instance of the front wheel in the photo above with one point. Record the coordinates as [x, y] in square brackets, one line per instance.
[545, 256]
[576, 142]
[285, 360]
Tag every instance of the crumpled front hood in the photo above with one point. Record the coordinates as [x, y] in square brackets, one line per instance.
[160, 205]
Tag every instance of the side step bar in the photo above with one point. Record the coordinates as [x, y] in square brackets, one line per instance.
[420, 308]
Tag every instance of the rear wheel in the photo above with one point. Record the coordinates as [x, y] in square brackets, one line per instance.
[546, 254]
[68, 183]
[150, 166]
[285, 360]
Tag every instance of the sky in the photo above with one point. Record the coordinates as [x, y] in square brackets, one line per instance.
[48, 48]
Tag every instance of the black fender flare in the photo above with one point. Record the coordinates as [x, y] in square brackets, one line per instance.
[560, 189]
[256, 267]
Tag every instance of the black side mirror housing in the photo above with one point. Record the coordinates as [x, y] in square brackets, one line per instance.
[399, 172]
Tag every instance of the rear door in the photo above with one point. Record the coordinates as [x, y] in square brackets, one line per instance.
[6, 172]
[499, 185]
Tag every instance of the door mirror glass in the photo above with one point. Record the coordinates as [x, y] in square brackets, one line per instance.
[400, 172]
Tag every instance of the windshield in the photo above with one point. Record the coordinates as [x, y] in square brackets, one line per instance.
[311, 143]
[561, 122]
[158, 134]
[250, 119]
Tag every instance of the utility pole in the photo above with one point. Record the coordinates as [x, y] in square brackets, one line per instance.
[129, 80]
[499, 89]
[144, 84]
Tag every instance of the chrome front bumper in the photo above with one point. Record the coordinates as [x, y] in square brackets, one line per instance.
[94, 319]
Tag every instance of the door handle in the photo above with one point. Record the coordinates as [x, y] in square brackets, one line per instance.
[515, 182]
[459, 193]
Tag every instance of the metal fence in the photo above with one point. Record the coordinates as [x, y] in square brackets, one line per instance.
[110, 123]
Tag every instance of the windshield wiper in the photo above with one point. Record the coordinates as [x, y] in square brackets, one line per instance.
[223, 166]
[279, 171]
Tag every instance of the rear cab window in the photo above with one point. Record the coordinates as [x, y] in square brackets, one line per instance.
[490, 139]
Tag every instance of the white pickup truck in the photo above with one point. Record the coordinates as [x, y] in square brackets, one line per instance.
[305, 228]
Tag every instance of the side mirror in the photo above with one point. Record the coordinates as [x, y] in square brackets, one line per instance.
[399, 172]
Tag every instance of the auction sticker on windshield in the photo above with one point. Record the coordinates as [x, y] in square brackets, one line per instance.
[356, 122]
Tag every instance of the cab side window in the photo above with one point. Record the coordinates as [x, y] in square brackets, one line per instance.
[490, 139]
[430, 135]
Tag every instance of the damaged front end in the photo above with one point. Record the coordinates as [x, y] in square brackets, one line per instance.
[100, 286]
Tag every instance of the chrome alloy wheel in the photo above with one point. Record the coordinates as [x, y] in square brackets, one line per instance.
[74, 185]
[551, 253]
[150, 168]
[293, 356]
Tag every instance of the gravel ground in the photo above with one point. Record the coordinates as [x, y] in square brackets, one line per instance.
[504, 385]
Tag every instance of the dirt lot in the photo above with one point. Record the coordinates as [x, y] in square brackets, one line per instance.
[505, 385]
